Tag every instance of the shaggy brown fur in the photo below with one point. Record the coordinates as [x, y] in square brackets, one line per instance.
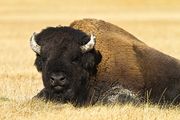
[131, 63]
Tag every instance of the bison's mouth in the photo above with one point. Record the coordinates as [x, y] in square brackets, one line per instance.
[60, 89]
[62, 94]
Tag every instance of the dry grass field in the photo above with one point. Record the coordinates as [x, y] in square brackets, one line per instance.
[155, 22]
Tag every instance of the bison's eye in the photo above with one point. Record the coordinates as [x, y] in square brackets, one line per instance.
[44, 59]
[74, 60]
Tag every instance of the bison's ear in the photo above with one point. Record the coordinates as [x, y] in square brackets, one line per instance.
[90, 61]
[38, 62]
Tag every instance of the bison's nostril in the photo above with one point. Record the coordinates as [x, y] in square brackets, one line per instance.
[62, 78]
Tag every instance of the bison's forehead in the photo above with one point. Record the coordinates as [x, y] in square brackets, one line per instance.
[64, 49]
[57, 35]
[61, 41]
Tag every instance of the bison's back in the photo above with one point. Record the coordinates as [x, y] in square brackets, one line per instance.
[119, 61]
[131, 62]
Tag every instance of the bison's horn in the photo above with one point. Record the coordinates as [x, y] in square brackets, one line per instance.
[90, 45]
[34, 46]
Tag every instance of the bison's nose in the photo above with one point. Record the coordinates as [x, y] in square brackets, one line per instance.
[58, 79]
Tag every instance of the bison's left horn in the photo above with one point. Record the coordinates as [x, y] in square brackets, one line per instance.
[34, 46]
[90, 45]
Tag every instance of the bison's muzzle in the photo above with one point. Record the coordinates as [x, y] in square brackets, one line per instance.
[58, 82]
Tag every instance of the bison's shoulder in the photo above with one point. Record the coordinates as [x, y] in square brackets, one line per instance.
[116, 46]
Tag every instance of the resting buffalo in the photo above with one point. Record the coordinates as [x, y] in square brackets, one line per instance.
[92, 61]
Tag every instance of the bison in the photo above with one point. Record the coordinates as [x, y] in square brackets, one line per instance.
[93, 61]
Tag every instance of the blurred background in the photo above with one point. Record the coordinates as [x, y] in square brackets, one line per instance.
[155, 22]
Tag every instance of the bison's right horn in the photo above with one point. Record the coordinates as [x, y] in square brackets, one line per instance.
[90, 45]
[34, 46]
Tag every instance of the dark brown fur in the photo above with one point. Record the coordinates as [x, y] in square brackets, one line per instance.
[131, 63]
[128, 71]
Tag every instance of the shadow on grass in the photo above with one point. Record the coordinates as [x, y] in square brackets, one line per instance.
[4, 99]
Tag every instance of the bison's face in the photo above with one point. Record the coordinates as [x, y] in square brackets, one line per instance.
[67, 59]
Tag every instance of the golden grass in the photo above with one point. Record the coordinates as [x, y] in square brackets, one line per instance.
[44, 111]
[157, 23]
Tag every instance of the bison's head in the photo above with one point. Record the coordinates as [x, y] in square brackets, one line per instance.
[67, 59]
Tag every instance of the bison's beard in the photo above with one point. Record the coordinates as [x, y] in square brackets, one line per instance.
[63, 97]
[77, 97]
[49, 95]
[76, 93]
